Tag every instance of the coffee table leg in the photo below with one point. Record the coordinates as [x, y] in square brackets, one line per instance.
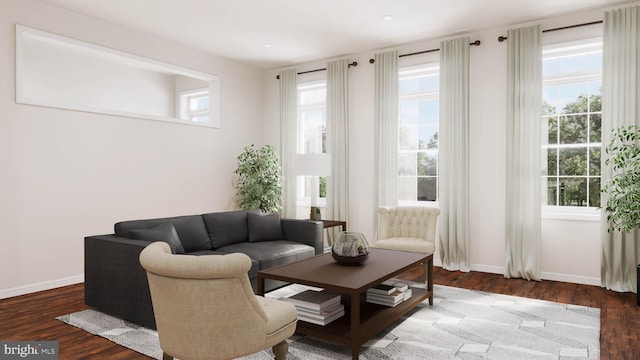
[428, 274]
[355, 326]
[260, 289]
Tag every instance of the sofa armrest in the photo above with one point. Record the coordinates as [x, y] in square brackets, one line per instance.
[115, 282]
[307, 232]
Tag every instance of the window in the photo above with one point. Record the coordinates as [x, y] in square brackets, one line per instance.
[313, 163]
[312, 118]
[66, 73]
[194, 105]
[572, 93]
[418, 134]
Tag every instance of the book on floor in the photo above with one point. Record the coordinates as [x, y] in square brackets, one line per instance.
[314, 300]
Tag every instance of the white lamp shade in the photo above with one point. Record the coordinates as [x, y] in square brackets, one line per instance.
[313, 164]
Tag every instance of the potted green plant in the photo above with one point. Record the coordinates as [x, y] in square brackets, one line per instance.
[623, 189]
[259, 183]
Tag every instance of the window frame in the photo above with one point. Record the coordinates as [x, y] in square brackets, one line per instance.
[322, 106]
[314, 165]
[119, 63]
[429, 67]
[186, 113]
[556, 212]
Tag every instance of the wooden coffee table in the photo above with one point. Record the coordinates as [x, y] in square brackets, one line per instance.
[362, 320]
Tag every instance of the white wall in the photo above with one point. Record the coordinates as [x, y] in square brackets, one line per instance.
[68, 174]
[571, 249]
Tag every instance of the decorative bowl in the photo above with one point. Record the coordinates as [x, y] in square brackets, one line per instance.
[350, 248]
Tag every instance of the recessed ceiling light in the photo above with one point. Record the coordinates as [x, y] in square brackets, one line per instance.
[266, 45]
[387, 17]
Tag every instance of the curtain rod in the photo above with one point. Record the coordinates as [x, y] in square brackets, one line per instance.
[475, 43]
[355, 63]
[503, 38]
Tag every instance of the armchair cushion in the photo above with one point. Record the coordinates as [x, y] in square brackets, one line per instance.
[406, 244]
[164, 232]
[264, 227]
[408, 228]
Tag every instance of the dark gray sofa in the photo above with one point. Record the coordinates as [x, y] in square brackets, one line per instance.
[116, 284]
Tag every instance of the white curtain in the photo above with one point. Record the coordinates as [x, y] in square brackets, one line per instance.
[337, 138]
[453, 162]
[288, 128]
[524, 148]
[386, 119]
[620, 106]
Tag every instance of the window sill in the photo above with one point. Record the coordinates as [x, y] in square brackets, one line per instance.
[571, 213]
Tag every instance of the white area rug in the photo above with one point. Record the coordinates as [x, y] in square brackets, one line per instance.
[461, 324]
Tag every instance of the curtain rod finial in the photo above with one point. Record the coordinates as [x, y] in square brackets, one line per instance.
[371, 61]
[502, 38]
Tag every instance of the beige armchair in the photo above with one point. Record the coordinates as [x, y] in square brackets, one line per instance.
[408, 228]
[205, 307]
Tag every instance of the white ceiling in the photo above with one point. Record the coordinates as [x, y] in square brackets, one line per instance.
[303, 30]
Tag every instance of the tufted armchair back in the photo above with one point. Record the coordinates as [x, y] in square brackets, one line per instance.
[411, 228]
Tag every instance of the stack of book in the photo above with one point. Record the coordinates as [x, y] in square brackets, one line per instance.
[317, 307]
[389, 293]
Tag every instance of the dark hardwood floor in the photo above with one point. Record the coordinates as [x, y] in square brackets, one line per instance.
[33, 316]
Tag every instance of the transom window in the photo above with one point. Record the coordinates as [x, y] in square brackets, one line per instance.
[418, 134]
[572, 94]
[194, 105]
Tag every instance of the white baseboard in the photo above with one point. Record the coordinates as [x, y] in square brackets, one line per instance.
[575, 279]
[476, 267]
[45, 285]
[487, 269]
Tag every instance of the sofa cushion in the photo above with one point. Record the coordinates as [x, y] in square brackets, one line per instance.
[264, 227]
[191, 230]
[164, 232]
[226, 228]
[272, 253]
